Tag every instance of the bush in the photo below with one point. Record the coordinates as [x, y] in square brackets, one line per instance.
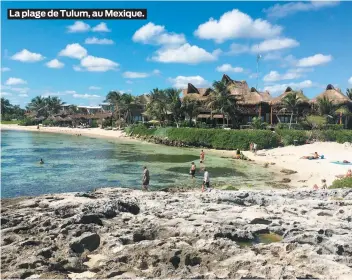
[342, 183]
[27, 122]
[94, 123]
[288, 136]
[48, 122]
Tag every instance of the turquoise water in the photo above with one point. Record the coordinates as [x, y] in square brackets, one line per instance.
[74, 164]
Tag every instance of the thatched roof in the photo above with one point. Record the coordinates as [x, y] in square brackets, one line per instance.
[279, 100]
[334, 95]
[254, 97]
[199, 93]
[236, 87]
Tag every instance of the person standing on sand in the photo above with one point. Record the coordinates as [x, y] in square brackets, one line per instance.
[146, 178]
[193, 170]
[206, 180]
[202, 156]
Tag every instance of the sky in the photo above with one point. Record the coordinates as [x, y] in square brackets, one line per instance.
[305, 45]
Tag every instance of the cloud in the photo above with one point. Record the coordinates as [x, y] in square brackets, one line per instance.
[135, 75]
[4, 93]
[23, 95]
[74, 51]
[185, 54]
[182, 81]
[283, 10]
[17, 89]
[5, 69]
[315, 60]
[275, 44]
[101, 27]
[86, 96]
[274, 76]
[94, 88]
[229, 68]
[97, 64]
[350, 80]
[280, 88]
[96, 41]
[235, 24]
[78, 26]
[156, 72]
[157, 35]
[15, 81]
[27, 56]
[55, 64]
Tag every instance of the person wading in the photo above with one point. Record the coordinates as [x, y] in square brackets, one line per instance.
[193, 170]
[206, 180]
[146, 178]
[202, 156]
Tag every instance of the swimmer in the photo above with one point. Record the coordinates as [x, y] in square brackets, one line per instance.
[41, 161]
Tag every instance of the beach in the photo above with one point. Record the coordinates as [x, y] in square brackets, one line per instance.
[309, 172]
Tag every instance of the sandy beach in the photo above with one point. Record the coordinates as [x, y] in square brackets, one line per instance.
[309, 172]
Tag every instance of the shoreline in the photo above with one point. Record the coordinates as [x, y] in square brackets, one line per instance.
[309, 172]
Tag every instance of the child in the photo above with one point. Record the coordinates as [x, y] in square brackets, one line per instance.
[323, 186]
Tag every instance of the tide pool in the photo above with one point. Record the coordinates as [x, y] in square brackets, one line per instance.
[77, 164]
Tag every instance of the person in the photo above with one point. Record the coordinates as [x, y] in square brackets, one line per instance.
[323, 186]
[238, 154]
[346, 161]
[347, 175]
[206, 180]
[255, 148]
[202, 156]
[201, 166]
[193, 170]
[41, 161]
[251, 147]
[38, 126]
[315, 156]
[146, 178]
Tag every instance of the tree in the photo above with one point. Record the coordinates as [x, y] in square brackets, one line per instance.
[156, 107]
[326, 106]
[114, 98]
[221, 100]
[174, 104]
[6, 106]
[45, 106]
[190, 106]
[291, 102]
[349, 93]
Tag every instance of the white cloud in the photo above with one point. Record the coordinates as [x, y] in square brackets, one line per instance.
[15, 81]
[96, 41]
[77, 68]
[135, 75]
[274, 76]
[283, 10]
[275, 44]
[27, 56]
[55, 63]
[98, 64]
[314, 60]
[238, 49]
[182, 81]
[235, 24]
[74, 51]
[70, 91]
[184, 54]
[350, 80]
[101, 27]
[17, 89]
[78, 26]
[280, 88]
[94, 88]
[4, 93]
[229, 68]
[5, 69]
[86, 96]
[157, 35]
[23, 95]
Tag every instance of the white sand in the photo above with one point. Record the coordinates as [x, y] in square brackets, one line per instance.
[310, 172]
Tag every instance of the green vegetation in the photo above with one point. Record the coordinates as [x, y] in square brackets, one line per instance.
[10, 112]
[10, 122]
[342, 183]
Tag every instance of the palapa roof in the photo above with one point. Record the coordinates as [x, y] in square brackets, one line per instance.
[334, 95]
[236, 87]
[200, 93]
[254, 97]
[278, 100]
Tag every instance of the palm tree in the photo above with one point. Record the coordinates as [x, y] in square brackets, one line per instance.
[191, 107]
[173, 104]
[127, 104]
[221, 100]
[349, 93]
[6, 106]
[326, 106]
[291, 102]
[114, 97]
[156, 107]
[38, 106]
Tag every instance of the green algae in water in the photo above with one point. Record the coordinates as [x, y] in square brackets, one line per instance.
[264, 238]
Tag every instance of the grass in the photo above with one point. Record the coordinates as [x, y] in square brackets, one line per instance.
[342, 183]
[9, 122]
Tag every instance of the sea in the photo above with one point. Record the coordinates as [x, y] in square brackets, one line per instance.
[79, 164]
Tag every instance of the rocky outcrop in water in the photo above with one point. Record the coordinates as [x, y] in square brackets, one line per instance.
[122, 233]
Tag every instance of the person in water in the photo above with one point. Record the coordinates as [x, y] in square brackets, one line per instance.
[202, 156]
[41, 161]
[146, 178]
[193, 170]
[206, 181]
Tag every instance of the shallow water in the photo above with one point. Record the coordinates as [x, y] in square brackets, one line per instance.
[80, 164]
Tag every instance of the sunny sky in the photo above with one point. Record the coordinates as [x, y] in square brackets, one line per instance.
[305, 45]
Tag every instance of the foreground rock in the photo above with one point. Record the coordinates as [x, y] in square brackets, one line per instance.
[121, 233]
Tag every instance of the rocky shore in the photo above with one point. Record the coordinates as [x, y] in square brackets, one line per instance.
[122, 233]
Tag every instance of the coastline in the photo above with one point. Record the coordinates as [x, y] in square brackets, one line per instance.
[309, 172]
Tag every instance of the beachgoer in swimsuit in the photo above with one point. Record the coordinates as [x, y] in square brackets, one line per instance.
[41, 161]
[146, 178]
[206, 180]
[316, 156]
[255, 148]
[202, 156]
[193, 170]
[238, 154]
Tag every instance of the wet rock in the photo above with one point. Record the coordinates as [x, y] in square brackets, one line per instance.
[261, 221]
[89, 241]
[90, 219]
[288, 171]
[128, 207]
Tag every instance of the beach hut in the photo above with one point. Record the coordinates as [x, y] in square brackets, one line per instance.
[278, 109]
[338, 99]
